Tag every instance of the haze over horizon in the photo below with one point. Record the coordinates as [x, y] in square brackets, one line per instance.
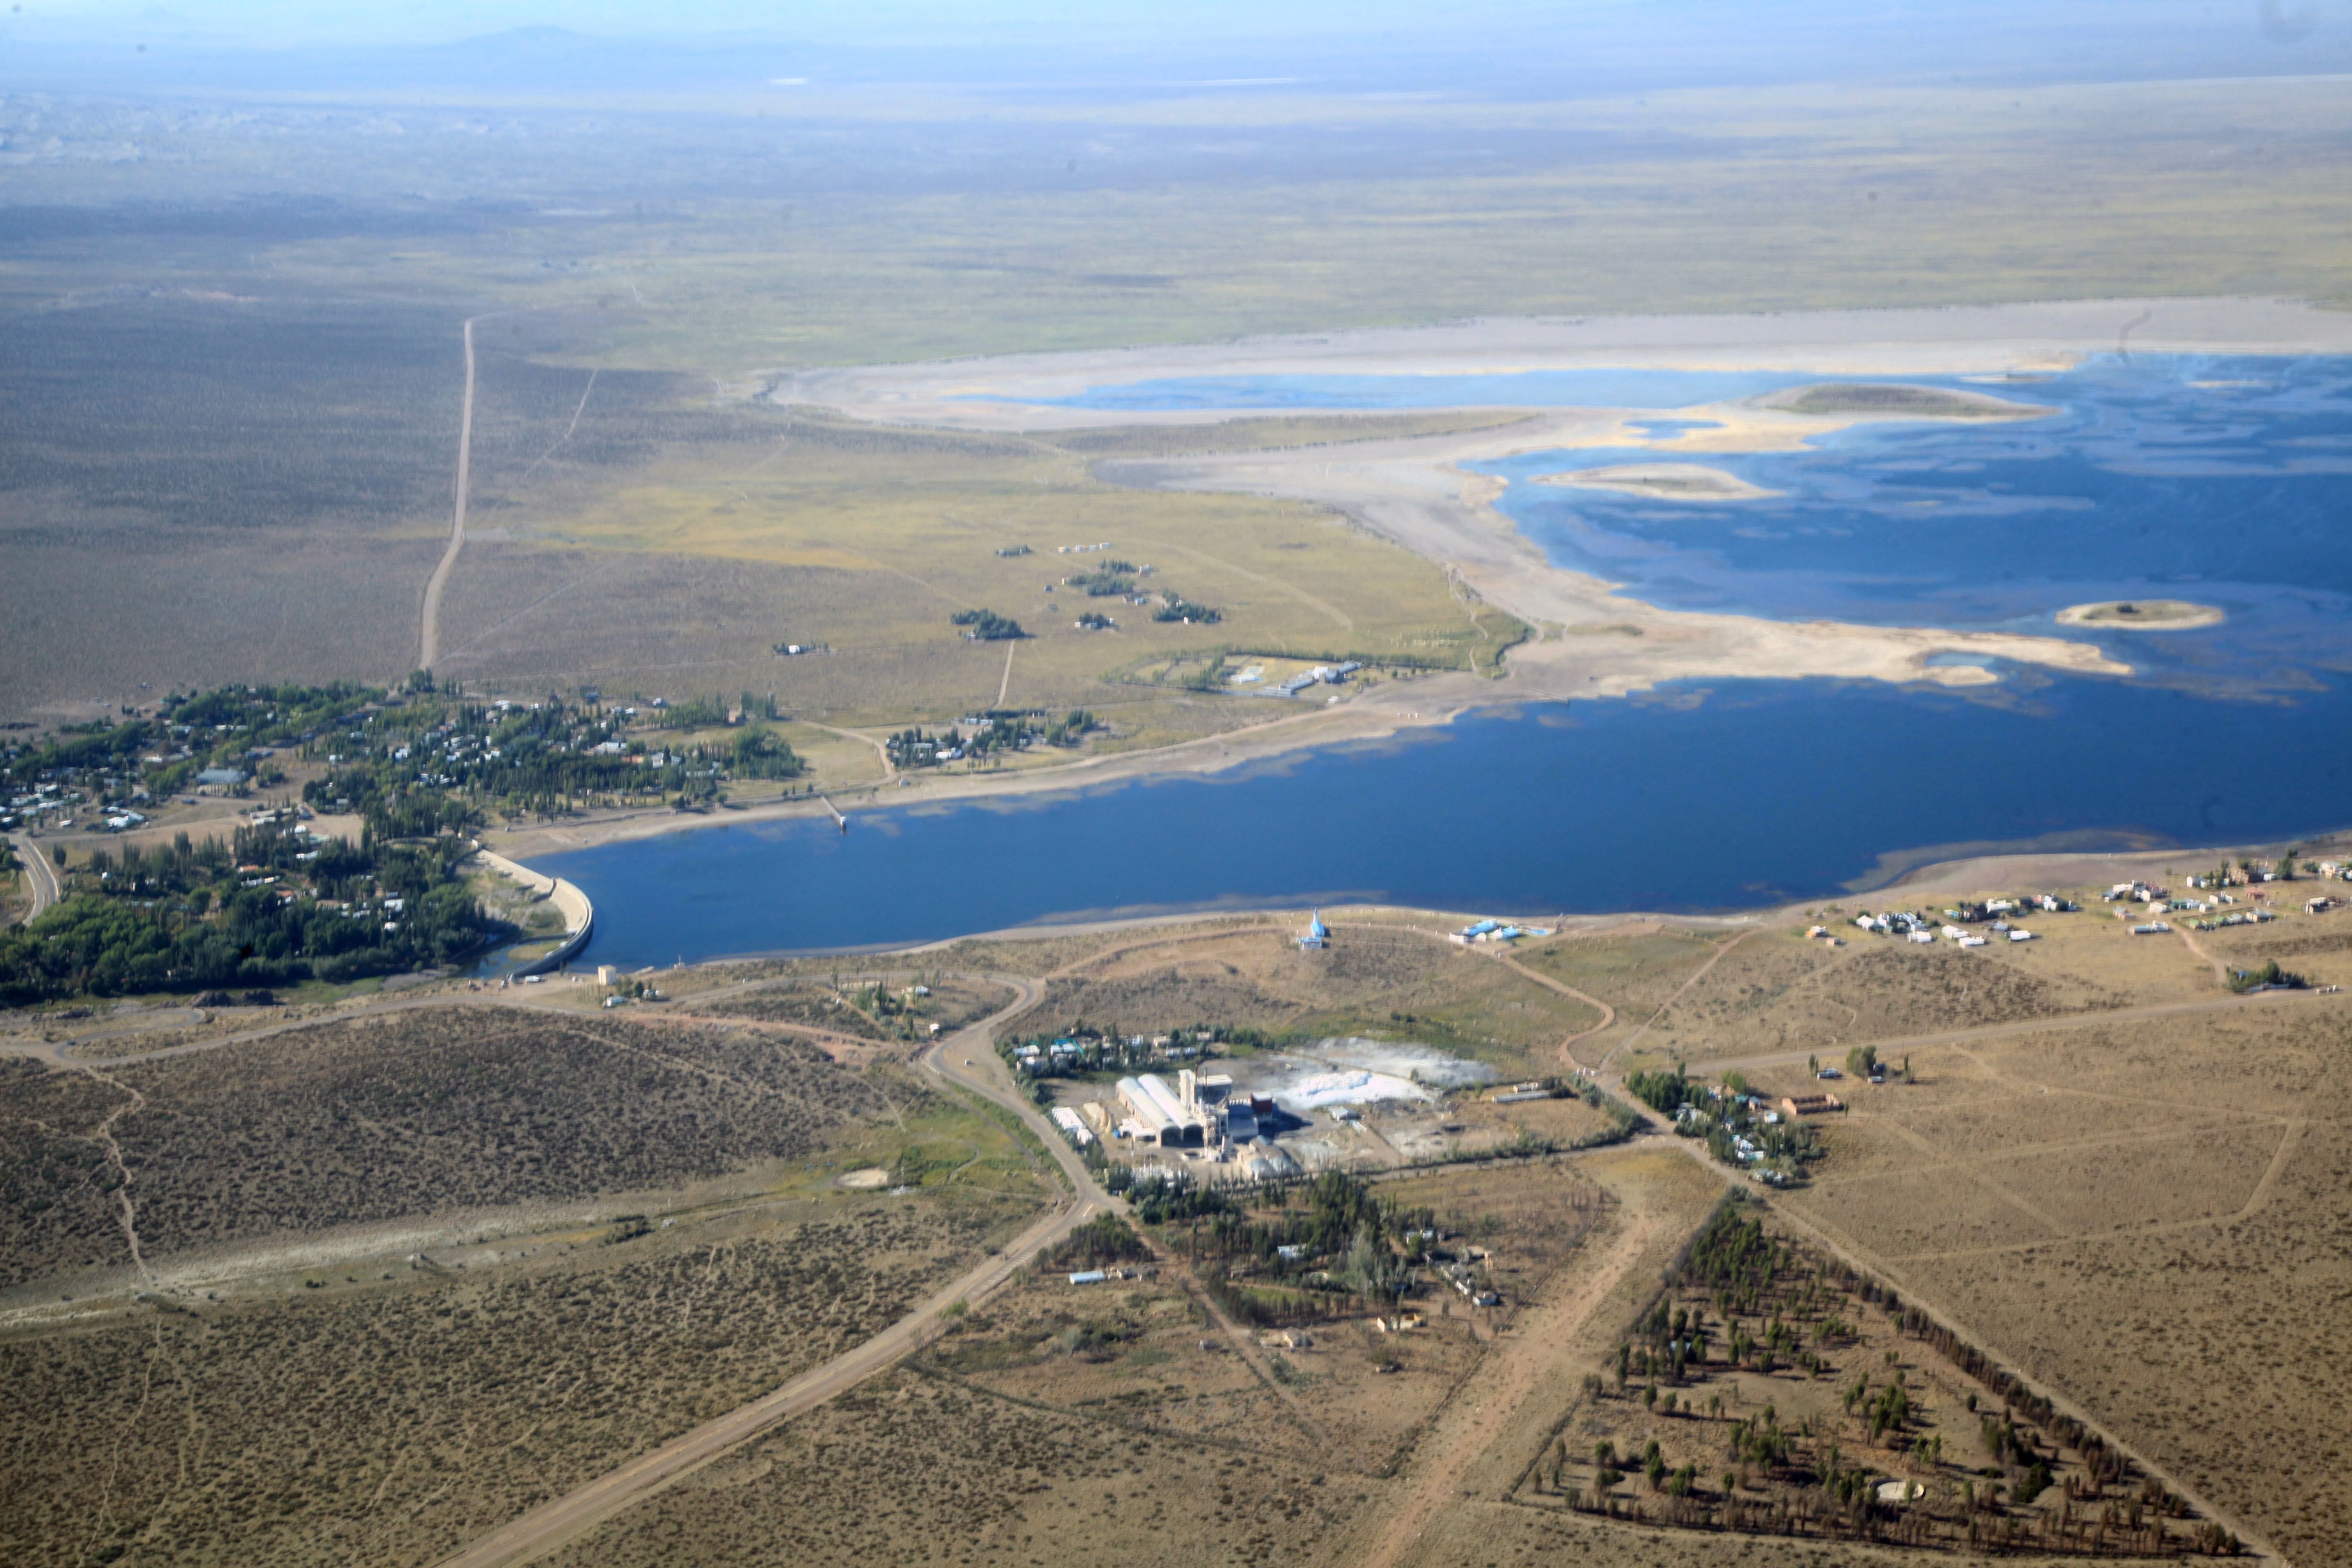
[1486, 46]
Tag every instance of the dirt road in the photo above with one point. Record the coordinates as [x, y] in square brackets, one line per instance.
[1478, 1418]
[428, 638]
[967, 1059]
[1909, 1287]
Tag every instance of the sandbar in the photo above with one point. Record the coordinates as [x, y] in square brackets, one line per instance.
[1661, 481]
[2142, 616]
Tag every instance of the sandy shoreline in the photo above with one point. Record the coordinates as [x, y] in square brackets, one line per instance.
[1660, 481]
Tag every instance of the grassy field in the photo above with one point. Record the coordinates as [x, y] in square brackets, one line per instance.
[863, 544]
[274, 391]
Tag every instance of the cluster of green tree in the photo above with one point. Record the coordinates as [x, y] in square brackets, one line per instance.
[1088, 1050]
[203, 915]
[1102, 1241]
[2269, 977]
[916, 748]
[987, 626]
[2013, 1446]
[1731, 1253]
[164, 753]
[1094, 621]
[1159, 1199]
[1176, 607]
[1112, 579]
[437, 763]
[1666, 1091]
[1668, 1339]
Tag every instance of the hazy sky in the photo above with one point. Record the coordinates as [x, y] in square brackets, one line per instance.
[1512, 47]
[842, 21]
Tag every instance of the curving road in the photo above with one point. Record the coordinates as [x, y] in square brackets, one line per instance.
[38, 874]
[966, 1060]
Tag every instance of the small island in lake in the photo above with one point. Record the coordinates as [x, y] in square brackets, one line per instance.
[2143, 615]
[1886, 400]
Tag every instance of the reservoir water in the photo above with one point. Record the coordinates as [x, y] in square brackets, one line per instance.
[1733, 795]
[2224, 481]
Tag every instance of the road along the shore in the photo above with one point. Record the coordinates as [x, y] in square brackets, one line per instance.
[579, 914]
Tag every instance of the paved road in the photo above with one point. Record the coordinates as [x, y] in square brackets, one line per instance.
[37, 872]
[967, 1059]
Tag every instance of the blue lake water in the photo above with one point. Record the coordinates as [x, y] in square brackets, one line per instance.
[2219, 480]
[2226, 482]
[1735, 795]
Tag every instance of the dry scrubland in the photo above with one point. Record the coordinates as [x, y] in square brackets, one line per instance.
[1767, 199]
[1331, 1388]
[406, 1113]
[394, 1424]
[1391, 980]
[1769, 991]
[277, 395]
[2135, 1213]
[1024, 1437]
[324, 1395]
